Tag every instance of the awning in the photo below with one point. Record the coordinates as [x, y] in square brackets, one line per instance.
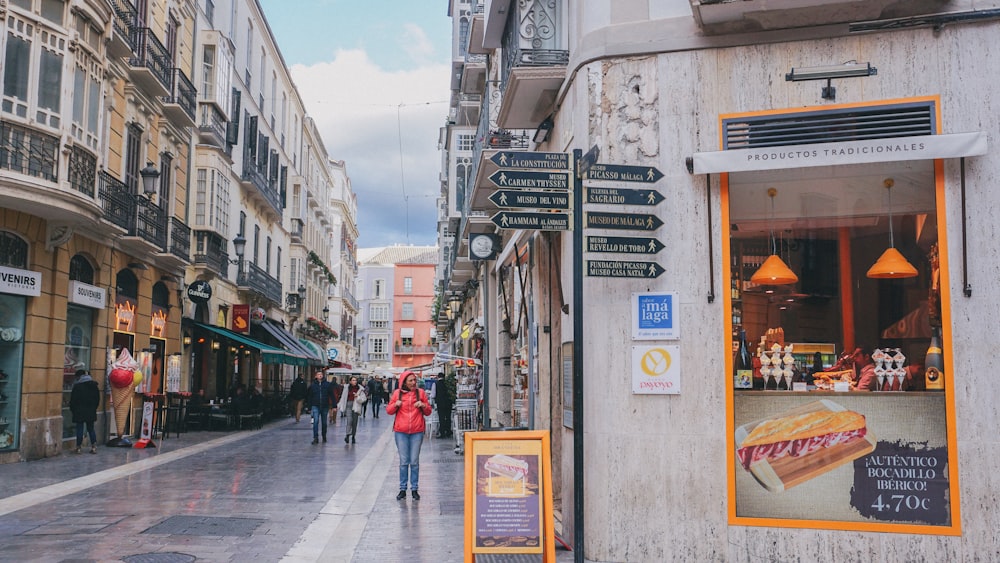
[269, 354]
[319, 352]
[292, 345]
[924, 147]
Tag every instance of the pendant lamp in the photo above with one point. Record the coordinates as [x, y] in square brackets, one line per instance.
[892, 264]
[773, 271]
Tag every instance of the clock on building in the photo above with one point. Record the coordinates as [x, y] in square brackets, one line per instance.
[483, 246]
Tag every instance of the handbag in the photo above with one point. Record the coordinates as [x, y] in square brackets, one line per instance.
[356, 407]
[360, 397]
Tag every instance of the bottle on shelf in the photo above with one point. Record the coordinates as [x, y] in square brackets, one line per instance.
[743, 364]
[934, 362]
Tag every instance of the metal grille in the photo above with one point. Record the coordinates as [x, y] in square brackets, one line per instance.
[830, 126]
[82, 171]
[13, 250]
[27, 151]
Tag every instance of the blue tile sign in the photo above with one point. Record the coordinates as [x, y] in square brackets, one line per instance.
[654, 316]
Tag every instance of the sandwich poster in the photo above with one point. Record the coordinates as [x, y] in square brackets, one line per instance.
[844, 457]
[507, 500]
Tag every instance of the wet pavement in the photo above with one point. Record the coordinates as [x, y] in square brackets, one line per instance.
[256, 495]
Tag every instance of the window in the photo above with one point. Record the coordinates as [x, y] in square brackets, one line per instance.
[86, 99]
[33, 68]
[133, 157]
[211, 205]
[172, 26]
[408, 285]
[378, 315]
[208, 71]
[210, 12]
[377, 345]
[466, 142]
[166, 180]
[406, 312]
[277, 263]
[247, 75]
[243, 223]
[378, 289]
[256, 243]
[267, 256]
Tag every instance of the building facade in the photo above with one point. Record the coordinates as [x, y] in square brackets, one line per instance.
[704, 143]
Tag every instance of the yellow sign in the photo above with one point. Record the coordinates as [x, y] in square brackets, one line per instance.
[508, 494]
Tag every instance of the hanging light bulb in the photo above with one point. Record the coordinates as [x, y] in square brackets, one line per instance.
[773, 271]
[892, 264]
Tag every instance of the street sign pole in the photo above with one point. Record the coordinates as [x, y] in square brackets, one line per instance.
[582, 164]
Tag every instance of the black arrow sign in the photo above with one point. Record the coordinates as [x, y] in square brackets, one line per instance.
[530, 179]
[623, 269]
[624, 173]
[531, 221]
[624, 245]
[622, 196]
[529, 159]
[622, 221]
[530, 199]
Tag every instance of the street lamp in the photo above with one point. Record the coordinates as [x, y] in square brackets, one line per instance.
[326, 314]
[239, 246]
[302, 295]
[149, 177]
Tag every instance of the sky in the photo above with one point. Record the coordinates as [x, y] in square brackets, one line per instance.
[374, 75]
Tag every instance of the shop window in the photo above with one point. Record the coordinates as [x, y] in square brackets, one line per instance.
[13, 254]
[13, 250]
[838, 345]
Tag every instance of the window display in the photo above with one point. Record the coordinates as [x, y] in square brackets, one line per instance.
[79, 325]
[12, 308]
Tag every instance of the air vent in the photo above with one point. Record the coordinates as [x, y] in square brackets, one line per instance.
[830, 126]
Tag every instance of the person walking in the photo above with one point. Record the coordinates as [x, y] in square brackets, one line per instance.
[409, 405]
[297, 395]
[444, 403]
[319, 396]
[83, 402]
[374, 395]
[335, 390]
[347, 397]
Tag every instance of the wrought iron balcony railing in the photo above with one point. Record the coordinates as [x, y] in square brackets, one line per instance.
[256, 177]
[116, 200]
[211, 253]
[124, 20]
[531, 38]
[150, 53]
[180, 239]
[82, 171]
[182, 92]
[212, 125]
[260, 282]
[26, 151]
[136, 214]
[151, 222]
[298, 228]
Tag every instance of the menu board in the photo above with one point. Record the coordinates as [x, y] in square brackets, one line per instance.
[508, 494]
[882, 460]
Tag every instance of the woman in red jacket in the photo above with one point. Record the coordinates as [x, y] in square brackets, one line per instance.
[409, 404]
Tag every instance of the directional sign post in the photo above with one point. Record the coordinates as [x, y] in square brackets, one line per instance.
[531, 221]
[624, 173]
[623, 221]
[624, 245]
[621, 196]
[526, 199]
[531, 159]
[530, 179]
[623, 269]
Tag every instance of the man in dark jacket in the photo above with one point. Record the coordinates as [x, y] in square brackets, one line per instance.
[319, 397]
[296, 395]
[374, 396]
[83, 402]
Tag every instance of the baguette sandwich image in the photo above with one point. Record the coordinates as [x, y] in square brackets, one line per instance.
[799, 435]
[507, 466]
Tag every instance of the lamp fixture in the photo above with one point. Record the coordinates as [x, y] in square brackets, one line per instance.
[829, 72]
[773, 271]
[543, 130]
[892, 264]
[239, 246]
[216, 345]
[149, 177]
[186, 340]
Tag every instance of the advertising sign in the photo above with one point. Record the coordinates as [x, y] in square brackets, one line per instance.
[654, 316]
[884, 460]
[20, 282]
[86, 294]
[656, 370]
[241, 318]
[508, 496]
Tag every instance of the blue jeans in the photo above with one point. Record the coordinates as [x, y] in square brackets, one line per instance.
[90, 432]
[319, 417]
[409, 458]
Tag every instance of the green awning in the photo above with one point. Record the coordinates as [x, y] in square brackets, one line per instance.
[269, 354]
[320, 352]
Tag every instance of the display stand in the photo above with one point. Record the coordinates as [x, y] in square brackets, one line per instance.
[465, 415]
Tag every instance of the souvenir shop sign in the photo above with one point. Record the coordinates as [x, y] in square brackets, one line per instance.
[508, 494]
[20, 282]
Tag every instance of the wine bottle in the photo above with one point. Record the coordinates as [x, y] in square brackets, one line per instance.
[934, 362]
[742, 365]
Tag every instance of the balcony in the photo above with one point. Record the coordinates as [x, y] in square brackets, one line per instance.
[473, 74]
[467, 110]
[137, 215]
[477, 29]
[256, 280]
[121, 42]
[82, 171]
[180, 105]
[716, 17]
[534, 63]
[178, 251]
[298, 226]
[401, 349]
[30, 152]
[211, 257]
[212, 127]
[150, 63]
[263, 189]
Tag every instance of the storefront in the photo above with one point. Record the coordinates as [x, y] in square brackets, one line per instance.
[840, 411]
[17, 285]
[85, 301]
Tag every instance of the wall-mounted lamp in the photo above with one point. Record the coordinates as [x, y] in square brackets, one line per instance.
[186, 340]
[150, 175]
[846, 70]
[216, 345]
[326, 314]
[239, 247]
[543, 130]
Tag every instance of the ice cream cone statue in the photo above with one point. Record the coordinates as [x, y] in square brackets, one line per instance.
[123, 381]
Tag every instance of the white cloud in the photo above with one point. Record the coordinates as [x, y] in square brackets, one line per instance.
[415, 42]
[360, 110]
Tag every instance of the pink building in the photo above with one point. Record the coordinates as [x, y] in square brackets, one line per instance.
[413, 303]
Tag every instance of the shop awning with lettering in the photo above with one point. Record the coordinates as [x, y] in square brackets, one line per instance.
[291, 345]
[924, 147]
[269, 354]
